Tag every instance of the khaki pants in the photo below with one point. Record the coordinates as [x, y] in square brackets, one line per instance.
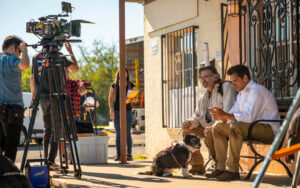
[233, 134]
[197, 158]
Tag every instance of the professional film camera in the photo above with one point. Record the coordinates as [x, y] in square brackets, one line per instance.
[54, 29]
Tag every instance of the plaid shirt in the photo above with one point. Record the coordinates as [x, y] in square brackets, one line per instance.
[73, 86]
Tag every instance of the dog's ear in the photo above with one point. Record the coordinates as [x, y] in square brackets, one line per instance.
[186, 138]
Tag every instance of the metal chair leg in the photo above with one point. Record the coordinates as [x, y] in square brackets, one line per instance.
[286, 168]
[206, 163]
[252, 169]
[296, 173]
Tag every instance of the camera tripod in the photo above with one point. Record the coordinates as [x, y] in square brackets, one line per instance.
[59, 96]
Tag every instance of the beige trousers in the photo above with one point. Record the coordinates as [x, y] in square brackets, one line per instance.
[197, 158]
[234, 133]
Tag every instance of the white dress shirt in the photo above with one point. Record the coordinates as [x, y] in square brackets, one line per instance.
[256, 102]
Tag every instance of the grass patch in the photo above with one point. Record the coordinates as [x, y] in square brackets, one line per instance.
[140, 157]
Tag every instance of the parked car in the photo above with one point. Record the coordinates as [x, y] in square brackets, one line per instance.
[38, 127]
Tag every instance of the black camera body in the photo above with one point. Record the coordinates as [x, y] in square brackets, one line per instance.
[54, 27]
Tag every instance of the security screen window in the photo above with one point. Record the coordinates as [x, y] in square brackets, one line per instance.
[179, 75]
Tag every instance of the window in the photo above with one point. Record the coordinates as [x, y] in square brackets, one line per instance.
[273, 45]
[179, 76]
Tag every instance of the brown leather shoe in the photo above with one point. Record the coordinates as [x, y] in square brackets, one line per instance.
[215, 173]
[229, 176]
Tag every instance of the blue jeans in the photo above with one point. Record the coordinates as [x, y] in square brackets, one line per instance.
[117, 128]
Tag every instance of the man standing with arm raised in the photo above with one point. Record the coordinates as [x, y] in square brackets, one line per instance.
[11, 98]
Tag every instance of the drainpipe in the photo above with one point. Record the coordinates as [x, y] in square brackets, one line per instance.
[122, 81]
[206, 54]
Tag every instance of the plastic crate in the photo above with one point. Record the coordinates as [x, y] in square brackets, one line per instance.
[92, 149]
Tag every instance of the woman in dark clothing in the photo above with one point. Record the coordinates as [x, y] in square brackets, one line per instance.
[114, 105]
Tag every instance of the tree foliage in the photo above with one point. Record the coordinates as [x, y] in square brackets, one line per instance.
[98, 66]
[26, 74]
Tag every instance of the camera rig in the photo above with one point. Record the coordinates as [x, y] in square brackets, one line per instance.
[55, 30]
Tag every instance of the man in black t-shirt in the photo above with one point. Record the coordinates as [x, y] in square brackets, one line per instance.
[52, 122]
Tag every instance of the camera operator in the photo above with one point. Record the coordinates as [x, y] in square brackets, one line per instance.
[52, 122]
[11, 98]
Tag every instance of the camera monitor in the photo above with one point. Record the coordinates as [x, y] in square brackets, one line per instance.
[66, 7]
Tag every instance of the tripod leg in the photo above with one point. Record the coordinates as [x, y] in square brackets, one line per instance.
[33, 116]
[62, 143]
[70, 131]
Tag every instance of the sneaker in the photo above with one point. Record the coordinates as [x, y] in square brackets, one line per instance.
[229, 176]
[215, 173]
[117, 158]
[53, 165]
[129, 158]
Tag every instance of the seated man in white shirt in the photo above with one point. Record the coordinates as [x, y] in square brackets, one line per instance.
[253, 102]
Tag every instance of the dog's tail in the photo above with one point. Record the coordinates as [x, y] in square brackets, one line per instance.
[146, 173]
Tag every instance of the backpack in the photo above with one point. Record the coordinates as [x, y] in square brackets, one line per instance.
[220, 88]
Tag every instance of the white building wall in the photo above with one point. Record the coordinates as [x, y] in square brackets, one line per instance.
[161, 17]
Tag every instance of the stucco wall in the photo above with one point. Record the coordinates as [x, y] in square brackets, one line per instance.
[208, 20]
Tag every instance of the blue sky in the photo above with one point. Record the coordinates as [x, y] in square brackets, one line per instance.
[104, 13]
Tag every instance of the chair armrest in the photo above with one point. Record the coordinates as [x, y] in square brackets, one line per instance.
[255, 123]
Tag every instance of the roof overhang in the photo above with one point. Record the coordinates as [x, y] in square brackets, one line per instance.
[140, 1]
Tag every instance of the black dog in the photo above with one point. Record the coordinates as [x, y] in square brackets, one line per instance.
[177, 156]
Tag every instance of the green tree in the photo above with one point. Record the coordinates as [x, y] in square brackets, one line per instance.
[98, 66]
[26, 80]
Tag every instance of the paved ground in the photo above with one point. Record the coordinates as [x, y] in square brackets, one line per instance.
[114, 174]
[119, 175]
[138, 148]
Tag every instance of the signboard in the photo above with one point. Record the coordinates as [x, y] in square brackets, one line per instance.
[218, 55]
[154, 46]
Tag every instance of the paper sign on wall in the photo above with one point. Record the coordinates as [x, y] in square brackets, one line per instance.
[218, 55]
[154, 46]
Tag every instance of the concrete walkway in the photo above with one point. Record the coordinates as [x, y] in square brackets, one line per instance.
[114, 174]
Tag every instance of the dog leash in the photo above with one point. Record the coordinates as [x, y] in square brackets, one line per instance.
[176, 161]
[170, 150]
[180, 131]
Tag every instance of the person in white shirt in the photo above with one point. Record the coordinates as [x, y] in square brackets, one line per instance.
[216, 94]
[253, 102]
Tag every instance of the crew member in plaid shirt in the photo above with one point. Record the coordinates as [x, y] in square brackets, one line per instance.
[73, 86]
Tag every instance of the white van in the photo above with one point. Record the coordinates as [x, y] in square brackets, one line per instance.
[38, 127]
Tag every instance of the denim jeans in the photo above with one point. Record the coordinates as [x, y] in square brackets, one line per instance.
[117, 128]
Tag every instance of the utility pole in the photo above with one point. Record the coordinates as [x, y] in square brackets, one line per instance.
[123, 136]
